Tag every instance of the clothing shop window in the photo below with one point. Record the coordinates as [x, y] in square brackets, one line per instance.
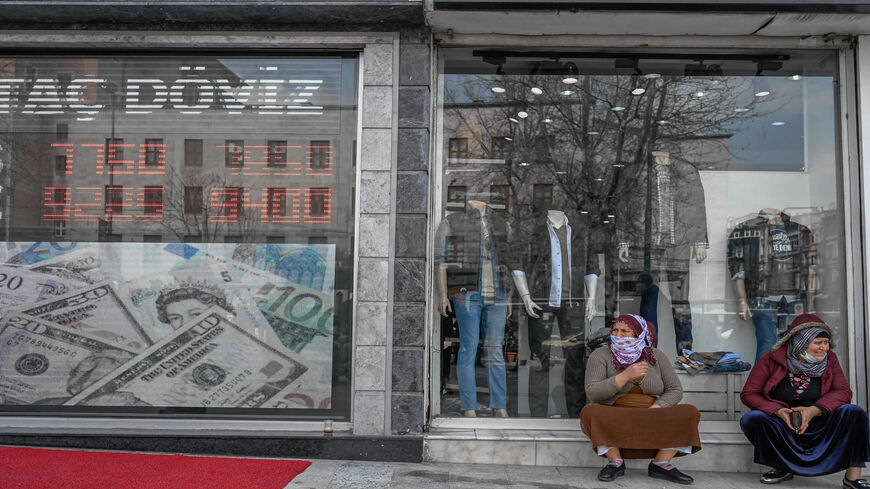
[706, 198]
[170, 197]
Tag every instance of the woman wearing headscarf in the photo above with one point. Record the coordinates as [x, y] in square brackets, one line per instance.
[635, 391]
[801, 374]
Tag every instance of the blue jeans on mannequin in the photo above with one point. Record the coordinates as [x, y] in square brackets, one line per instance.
[480, 316]
[771, 316]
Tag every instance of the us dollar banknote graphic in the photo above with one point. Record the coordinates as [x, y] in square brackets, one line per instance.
[45, 363]
[208, 362]
[97, 310]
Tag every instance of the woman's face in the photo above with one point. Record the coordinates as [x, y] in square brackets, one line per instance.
[183, 311]
[622, 330]
[819, 348]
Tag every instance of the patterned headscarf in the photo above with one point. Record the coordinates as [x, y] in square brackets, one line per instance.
[628, 351]
[797, 345]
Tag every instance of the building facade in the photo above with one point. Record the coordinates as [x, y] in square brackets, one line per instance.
[411, 222]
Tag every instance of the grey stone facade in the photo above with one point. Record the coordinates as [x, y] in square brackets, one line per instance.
[412, 208]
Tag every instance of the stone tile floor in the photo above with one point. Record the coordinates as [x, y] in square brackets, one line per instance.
[335, 474]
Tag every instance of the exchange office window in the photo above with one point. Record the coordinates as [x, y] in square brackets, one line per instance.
[209, 290]
[704, 196]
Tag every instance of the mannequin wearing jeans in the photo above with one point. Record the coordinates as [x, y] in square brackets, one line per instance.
[677, 217]
[472, 262]
[771, 260]
[549, 278]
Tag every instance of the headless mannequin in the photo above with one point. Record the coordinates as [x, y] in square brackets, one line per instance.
[743, 310]
[663, 158]
[444, 306]
[557, 219]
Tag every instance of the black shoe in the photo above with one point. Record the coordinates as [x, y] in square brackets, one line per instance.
[610, 472]
[855, 484]
[776, 476]
[670, 474]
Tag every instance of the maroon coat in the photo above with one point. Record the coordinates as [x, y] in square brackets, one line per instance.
[771, 368]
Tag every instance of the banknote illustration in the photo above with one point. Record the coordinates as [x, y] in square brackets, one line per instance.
[46, 363]
[97, 310]
[28, 253]
[311, 266]
[20, 286]
[163, 302]
[207, 362]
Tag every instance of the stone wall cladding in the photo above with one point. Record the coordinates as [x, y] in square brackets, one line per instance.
[375, 193]
[412, 212]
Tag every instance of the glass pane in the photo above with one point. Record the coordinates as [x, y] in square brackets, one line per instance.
[158, 216]
[581, 186]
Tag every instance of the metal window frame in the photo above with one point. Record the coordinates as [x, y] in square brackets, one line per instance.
[217, 43]
[854, 188]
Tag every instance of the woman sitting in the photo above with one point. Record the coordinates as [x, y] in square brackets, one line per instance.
[801, 375]
[635, 415]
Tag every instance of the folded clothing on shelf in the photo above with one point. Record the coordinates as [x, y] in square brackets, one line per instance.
[711, 362]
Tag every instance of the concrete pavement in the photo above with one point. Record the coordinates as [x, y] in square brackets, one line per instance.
[333, 474]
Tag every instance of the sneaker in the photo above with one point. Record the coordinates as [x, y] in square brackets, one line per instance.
[855, 484]
[776, 476]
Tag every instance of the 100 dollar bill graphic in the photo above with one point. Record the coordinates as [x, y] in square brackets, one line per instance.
[208, 362]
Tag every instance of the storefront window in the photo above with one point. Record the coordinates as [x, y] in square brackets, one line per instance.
[178, 234]
[701, 191]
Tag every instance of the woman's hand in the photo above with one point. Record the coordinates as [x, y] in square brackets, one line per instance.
[633, 371]
[655, 406]
[782, 413]
[807, 413]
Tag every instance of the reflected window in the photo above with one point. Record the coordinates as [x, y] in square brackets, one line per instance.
[193, 200]
[319, 153]
[277, 153]
[193, 152]
[154, 150]
[234, 153]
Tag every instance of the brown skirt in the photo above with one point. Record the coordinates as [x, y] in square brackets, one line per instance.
[639, 432]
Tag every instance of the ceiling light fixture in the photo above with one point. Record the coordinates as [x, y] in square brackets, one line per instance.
[498, 89]
[513, 120]
[566, 92]
[547, 121]
[522, 114]
[617, 108]
[795, 77]
[537, 91]
[777, 123]
[638, 91]
[571, 73]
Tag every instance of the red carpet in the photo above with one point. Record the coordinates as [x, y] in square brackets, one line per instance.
[37, 468]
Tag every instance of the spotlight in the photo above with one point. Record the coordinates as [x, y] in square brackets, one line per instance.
[571, 73]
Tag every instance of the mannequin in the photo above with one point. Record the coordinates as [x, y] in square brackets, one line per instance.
[548, 287]
[771, 260]
[676, 213]
[475, 248]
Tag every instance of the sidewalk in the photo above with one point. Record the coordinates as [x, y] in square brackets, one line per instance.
[334, 474]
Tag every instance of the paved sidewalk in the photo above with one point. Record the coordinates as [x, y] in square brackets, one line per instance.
[333, 474]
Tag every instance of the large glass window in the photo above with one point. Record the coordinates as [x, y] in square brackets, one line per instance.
[167, 247]
[700, 190]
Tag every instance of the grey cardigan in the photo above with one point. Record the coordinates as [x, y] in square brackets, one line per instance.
[660, 381]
